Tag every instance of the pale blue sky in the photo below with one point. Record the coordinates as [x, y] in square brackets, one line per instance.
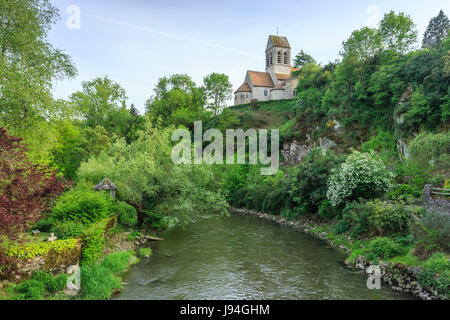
[135, 42]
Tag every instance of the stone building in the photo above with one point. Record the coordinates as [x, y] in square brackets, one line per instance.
[276, 82]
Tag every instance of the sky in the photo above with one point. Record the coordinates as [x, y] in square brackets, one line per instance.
[136, 42]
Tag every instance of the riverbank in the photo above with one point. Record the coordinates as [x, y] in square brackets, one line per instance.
[399, 276]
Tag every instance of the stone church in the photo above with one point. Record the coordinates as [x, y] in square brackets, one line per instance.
[277, 82]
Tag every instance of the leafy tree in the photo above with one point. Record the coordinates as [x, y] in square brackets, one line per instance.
[302, 59]
[363, 44]
[437, 30]
[177, 101]
[218, 90]
[28, 63]
[102, 102]
[26, 189]
[362, 175]
[398, 32]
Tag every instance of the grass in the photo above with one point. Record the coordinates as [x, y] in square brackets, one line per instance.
[102, 280]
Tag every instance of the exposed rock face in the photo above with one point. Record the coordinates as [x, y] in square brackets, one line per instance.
[399, 119]
[294, 151]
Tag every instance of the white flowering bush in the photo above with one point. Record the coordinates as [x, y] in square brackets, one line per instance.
[362, 175]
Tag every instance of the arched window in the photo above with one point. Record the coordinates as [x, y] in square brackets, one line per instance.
[267, 60]
[242, 98]
[294, 93]
[271, 59]
[266, 93]
[279, 57]
[285, 58]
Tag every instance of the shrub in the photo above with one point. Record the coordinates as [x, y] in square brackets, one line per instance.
[384, 248]
[31, 289]
[326, 210]
[44, 225]
[100, 281]
[355, 218]
[83, 206]
[308, 182]
[433, 230]
[36, 249]
[389, 220]
[431, 148]
[404, 193]
[41, 283]
[93, 242]
[127, 214]
[68, 230]
[362, 175]
[436, 274]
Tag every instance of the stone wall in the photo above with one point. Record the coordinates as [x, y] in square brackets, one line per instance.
[440, 204]
[52, 261]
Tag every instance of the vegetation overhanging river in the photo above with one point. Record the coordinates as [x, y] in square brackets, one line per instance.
[243, 257]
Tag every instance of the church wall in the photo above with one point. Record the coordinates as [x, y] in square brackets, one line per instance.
[258, 93]
[242, 98]
[290, 86]
[277, 95]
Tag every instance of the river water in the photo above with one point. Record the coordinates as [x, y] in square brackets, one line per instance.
[244, 257]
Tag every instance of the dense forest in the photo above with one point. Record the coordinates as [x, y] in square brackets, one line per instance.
[383, 108]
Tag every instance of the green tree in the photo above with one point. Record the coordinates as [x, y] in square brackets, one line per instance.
[437, 30]
[363, 44]
[102, 102]
[398, 32]
[28, 62]
[302, 59]
[218, 90]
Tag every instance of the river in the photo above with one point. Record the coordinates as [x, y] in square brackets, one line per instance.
[244, 257]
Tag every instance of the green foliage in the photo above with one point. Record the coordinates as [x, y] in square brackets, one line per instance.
[68, 229]
[82, 205]
[93, 242]
[436, 274]
[355, 219]
[40, 249]
[362, 175]
[428, 147]
[308, 181]
[433, 231]
[218, 90]
[127, 214]
[289, 214]
[404, 194]
[100, 281]
[41, 284]
[437, 30]
[302, 59]
[389, 220]
[142, 252]
[384, 248]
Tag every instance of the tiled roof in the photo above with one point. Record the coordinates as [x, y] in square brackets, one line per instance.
[278, 87]
[261, 79]
[280, 41]
[282, 76]
[243, 88]
[294, 69]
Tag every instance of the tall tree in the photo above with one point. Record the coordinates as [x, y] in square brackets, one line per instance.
[398, 32]
[102, 102]
[302, 59]
[438, 29]
[218, 90]
[28, 62]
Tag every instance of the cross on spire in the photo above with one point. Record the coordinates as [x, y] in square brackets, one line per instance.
[277, 30]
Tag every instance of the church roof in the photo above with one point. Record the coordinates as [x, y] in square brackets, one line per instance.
[280, 41]
[260, 79]
[243, 88]
[278, 87]
[294, 69]
[282, 76]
